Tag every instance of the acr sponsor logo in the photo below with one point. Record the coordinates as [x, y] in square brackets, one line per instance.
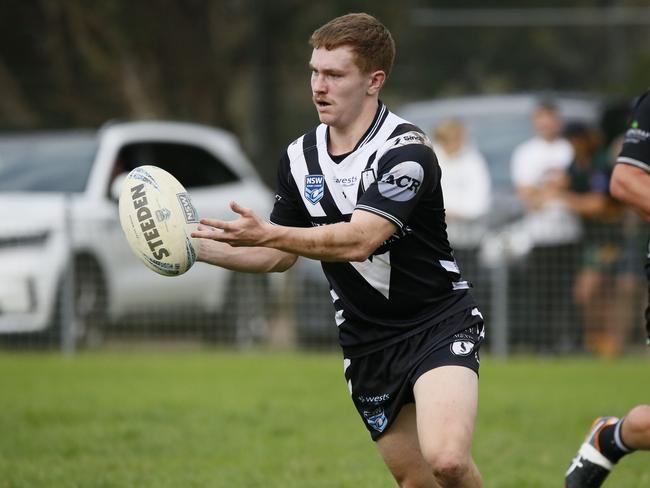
[402, 182]
[462, 348]
[147, 223]
[314, 188]
[191, 215]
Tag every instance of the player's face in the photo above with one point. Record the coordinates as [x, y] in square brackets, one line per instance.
[338, 86]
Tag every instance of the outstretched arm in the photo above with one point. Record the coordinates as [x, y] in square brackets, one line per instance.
[345, 241]
[246, 259]
[631, 185]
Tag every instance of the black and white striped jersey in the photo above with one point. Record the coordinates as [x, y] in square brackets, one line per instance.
[411, 281]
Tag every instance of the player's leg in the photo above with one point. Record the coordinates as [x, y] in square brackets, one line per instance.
[635, 428]
[400, 448]
[446, 398]
[607, 442]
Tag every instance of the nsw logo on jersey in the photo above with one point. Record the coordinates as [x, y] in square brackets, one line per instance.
[314, 188]
[402, 182]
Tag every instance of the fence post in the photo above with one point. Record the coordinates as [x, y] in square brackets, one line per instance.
[68, 316]
[499, 325]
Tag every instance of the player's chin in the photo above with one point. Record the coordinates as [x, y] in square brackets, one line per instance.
[326, 118]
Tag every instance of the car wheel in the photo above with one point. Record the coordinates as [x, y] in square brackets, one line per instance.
[89, 304]
[90, 301]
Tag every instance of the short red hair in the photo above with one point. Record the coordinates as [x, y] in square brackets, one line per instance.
[369, 39]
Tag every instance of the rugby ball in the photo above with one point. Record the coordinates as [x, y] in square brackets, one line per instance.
[157, 217]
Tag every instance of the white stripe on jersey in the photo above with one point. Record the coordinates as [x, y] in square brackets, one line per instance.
[338, 317]
[374, 210]
[346, 365]
[412, 137]
[332, 171]
[374, 130]
[450, 266]
[376, 272]
[634, 162]
[299, 170]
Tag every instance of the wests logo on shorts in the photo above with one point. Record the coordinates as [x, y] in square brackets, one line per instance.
[402, 182]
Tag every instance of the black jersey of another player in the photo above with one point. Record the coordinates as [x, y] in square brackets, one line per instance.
[636, 144]
[411, 281]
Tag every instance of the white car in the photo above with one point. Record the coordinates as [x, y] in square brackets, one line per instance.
[58, 205]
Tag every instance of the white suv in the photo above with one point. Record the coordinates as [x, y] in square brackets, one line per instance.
[58, 206]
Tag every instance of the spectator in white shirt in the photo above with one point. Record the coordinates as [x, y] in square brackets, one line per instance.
[466, 185]
[539, 167]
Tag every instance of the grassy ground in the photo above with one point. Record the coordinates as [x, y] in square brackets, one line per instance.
[217, 419]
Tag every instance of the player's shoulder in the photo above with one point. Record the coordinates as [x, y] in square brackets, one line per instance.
[640, 115]
[297, 146]
[406, 137]
[643, 101]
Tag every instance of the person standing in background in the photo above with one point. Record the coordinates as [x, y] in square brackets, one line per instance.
[586, 192]
[538, 166]
[466, 187]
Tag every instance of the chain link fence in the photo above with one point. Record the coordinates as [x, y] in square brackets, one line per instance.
[58, 291]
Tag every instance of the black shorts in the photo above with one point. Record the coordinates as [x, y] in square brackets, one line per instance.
[382, 382]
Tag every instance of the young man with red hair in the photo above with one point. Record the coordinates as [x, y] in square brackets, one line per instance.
[361, 193]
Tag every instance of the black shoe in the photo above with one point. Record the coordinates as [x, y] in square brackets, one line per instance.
[590, 467]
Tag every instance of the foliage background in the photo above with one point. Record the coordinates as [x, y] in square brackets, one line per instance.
[241, 64]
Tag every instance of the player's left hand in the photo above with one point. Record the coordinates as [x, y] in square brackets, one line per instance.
[248, 230]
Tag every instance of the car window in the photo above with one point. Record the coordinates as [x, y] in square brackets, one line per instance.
[46, 163]
[193, 166]
[496, 137]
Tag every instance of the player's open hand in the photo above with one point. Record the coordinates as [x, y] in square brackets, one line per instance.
[247, 230]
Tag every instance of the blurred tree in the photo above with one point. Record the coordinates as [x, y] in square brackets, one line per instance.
[242, 64]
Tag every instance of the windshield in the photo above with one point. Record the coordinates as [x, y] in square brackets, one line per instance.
[46, 163]
[496, 136]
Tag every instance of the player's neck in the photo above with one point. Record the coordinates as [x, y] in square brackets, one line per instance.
[344, 139]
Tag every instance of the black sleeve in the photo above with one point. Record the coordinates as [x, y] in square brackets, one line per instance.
[636, 144]
[405, 175]
[288, 208]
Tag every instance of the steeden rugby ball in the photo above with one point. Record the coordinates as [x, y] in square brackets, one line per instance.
[157, 217]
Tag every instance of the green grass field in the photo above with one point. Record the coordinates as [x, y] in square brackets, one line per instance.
[223, 419]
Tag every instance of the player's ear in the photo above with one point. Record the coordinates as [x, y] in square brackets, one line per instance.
[376, 81]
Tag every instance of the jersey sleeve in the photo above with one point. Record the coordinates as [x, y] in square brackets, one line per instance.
[636, 143]
[288, 208]
[405, 174]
